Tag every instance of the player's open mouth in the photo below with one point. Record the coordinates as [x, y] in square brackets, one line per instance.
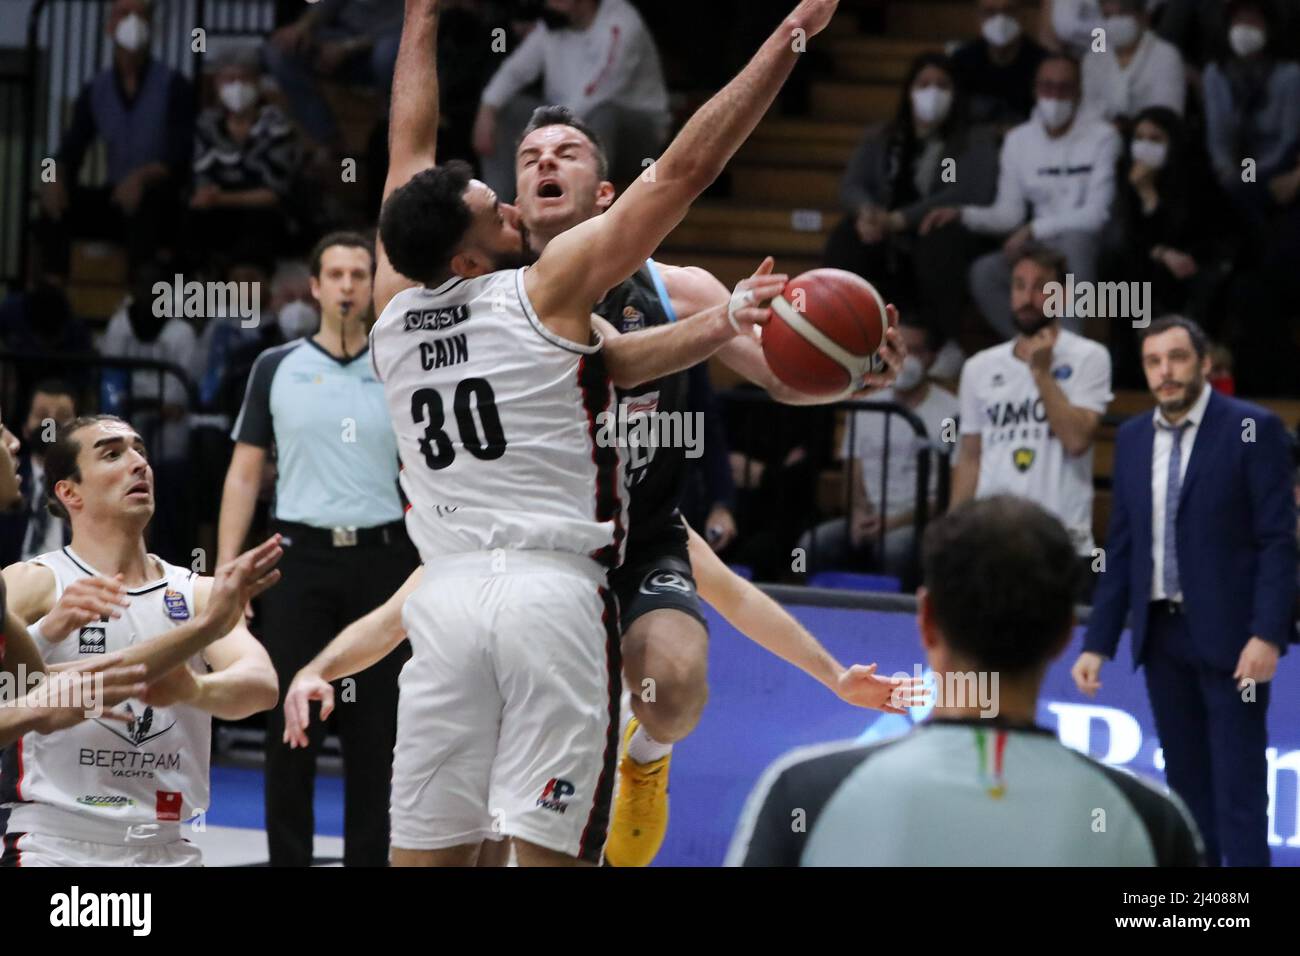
[139, 488]
[549, 189]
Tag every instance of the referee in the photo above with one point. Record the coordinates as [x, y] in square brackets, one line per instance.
[317, 403]
[978, 784]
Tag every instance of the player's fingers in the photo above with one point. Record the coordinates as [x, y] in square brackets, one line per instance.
[326, 702]
[891, 313]
[257, 587]
[765, 267]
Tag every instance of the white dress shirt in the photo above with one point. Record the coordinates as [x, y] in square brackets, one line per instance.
[1160, 451]
[1154, 77]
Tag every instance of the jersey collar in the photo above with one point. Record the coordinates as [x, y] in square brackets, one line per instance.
[143, 589]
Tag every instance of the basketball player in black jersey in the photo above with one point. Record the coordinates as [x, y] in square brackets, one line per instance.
[562, 181]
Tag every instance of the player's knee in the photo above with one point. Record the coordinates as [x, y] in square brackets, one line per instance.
[671, 697]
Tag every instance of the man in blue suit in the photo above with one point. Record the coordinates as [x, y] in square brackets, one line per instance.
[1201, 553]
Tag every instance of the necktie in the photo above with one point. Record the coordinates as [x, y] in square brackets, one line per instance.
[1173, 486]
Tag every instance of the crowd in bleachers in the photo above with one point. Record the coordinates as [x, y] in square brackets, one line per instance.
[1168, 155]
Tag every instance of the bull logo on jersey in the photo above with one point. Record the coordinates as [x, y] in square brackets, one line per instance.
[138, 727]
[657, 582]
[1023, 459]
[93, 639]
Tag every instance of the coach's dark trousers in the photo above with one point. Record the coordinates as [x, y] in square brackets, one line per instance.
[322, 590]
[1213, 743]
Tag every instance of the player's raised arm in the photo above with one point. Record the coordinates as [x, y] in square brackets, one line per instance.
[580, 265]
[412, 126]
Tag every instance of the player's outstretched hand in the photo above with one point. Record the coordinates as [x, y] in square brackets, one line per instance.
[814, 15]
[751, 302]
[72, 692]
[860, 686]
[84, 601]
[1087, 673]
[240, 580]
[306, 687]
[892, 351]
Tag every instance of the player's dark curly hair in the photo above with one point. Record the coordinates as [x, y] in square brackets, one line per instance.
[422, 223]
[1002, 576]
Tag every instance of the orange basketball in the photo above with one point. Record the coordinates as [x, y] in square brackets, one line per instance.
[826, 326]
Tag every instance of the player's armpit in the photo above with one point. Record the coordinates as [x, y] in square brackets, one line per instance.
[29, 591]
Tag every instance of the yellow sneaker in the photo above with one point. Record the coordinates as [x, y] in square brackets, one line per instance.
[640, 808]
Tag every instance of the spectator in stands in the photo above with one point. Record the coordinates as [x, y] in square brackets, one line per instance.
[142, 111]
[1252, 121]
[246, 155]
[1061, 166]
[1137, 69]
[353, 41]
[227, 344]
[39, 319]
[156, 403]
[1252, 112]
[778, 453]
[1168, 228]
[1199, 28]
[928, 156]
[292, 304]
[1031, 407]
[32, 530]
[996, 69]
[595, 57]
[1066, 26]
[857, 537]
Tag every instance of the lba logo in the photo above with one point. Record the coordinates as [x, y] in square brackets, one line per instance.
[554, 794]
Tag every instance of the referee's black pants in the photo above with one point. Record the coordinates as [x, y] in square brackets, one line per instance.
[322, 590]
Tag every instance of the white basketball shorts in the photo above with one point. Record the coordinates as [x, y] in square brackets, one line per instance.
[507, 723]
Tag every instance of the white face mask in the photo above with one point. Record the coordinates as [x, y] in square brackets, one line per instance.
[1001, 29]
[910, 374]
[1122, 31]
[1149, 153]
[930, 104]
[1246, 40]
[132, 33]
[237, 96]
[297, 320]
[1054, 113]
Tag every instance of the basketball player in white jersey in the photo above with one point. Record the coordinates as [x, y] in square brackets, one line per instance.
[108, 792]
[509, 709]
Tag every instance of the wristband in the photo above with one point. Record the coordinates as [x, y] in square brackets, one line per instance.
[739, 300]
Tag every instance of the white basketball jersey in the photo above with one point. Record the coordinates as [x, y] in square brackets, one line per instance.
[152, 769]
[497, 421]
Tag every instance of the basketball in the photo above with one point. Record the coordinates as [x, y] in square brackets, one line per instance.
[826, 326]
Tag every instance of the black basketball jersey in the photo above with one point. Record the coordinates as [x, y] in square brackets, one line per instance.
[656, 476]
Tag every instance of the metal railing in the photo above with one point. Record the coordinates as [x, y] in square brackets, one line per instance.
[928, 454]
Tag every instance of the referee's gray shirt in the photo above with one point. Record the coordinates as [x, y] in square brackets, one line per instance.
[959, 793]
[336, 454]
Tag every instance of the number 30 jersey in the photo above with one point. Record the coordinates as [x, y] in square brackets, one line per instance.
[500, 423]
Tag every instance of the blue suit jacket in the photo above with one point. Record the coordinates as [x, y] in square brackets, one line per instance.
[1235, 536]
